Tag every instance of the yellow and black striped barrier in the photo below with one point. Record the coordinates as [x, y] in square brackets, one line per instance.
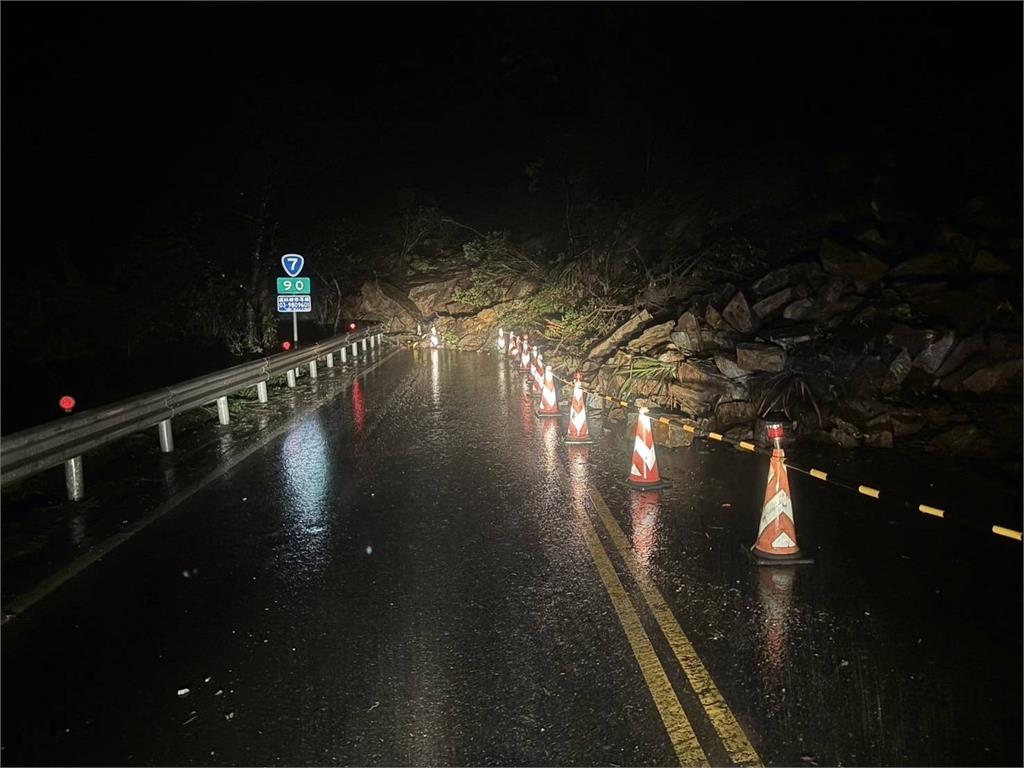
[818, 474]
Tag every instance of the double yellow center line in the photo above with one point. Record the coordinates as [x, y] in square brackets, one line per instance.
[680, 731]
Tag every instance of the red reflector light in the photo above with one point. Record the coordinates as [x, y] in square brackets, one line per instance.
[774, 431]
[67, 403]
[351, 326]
[286, 346]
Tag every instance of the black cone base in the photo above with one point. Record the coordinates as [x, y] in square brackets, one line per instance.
[760, 558]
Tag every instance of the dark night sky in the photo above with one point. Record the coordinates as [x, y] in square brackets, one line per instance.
[119, 118]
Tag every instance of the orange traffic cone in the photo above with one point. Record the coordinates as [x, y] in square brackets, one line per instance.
[579, 430]
[513, 346]
[549, 395]
[501, 339]
[434, 340]
[538, 373]
[524, 355]
[776, 536]
[643, 472]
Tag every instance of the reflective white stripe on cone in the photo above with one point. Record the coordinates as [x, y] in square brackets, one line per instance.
[776, 536]
[538, 373]
[579, 430]
[643, 472]
[549, 395]
[524, 356]
[501, 339]
[434, 340]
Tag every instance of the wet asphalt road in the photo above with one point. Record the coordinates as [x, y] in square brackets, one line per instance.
[408, 576]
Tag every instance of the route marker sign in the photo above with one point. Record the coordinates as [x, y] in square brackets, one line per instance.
[292, 263]
[293, 285]
[294, 303]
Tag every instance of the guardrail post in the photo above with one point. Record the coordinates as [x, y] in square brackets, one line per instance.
[163, 429]
[364, 344]
[261, 391]
[380, 339]
[330, 359]
[312, 369]
[373, 342]
[291, 378]
[74, 479]
[344, 354]
[355, 350]
[223, 414]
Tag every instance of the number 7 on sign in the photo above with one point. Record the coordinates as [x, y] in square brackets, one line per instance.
[292, 264]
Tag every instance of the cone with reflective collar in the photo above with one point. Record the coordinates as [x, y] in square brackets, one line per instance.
[513, 347]
[579, 430]
[537, 372]
[643, 472]
[501, 339]
[524, 355]
[435, 341]
[548, 395]
[776, 536]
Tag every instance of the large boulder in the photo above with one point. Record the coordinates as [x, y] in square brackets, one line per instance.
[732, 413]
[692, 399]
[431, 298]
[853, 265]
[897, 373]
[686, 334]
[914, 340]
[727, 365]
[760, 357]
[737, 313]
[783, 277]
[712, 316]
[670, 436]
[933, 355]
[1002, 377]
[831, 290]
[623, 332]
[384, 302]
[653, 337]
[801, 309]
[774, 303]
[937, 263]
[477, 331]
[965, 350]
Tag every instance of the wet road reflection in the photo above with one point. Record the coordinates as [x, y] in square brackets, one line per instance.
[358, 407]
[775, 594]
[424, 595]
[644, 509]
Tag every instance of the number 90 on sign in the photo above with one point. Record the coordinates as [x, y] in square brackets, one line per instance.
[293, 285]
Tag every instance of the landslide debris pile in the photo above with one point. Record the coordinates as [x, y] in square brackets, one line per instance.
[892, 331]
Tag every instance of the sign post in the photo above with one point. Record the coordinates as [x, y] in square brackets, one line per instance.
[293, 291]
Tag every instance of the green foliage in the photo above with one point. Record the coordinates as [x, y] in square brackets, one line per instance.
[449, 338]
[639, 369]
[790, 394]
[497, 264]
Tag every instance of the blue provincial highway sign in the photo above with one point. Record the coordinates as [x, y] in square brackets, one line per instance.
[292, 263]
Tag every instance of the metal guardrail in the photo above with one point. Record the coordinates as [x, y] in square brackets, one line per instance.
[64, 441]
